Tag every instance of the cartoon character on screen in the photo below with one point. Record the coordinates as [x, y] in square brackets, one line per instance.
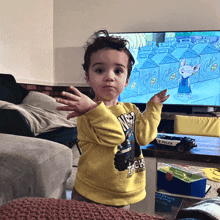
[186, 71]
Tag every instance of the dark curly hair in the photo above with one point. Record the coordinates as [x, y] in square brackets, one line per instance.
[101, 40]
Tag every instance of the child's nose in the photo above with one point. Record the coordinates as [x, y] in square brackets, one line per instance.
[110, 75]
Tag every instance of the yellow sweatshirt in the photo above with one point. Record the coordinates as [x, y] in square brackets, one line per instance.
[111, 169]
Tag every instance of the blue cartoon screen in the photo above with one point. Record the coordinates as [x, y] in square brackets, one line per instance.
[186, 63]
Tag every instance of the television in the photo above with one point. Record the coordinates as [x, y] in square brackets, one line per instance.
[186, 63]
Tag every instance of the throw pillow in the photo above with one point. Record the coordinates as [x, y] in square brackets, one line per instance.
[45, 102]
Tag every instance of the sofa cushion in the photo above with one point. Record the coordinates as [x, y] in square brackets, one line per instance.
[32, 167]
[197, 125]
[45, 102]
[41, 119]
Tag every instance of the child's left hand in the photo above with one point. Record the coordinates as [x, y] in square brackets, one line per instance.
[160, 97]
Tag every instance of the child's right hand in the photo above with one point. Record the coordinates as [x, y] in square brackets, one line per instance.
[77, 102]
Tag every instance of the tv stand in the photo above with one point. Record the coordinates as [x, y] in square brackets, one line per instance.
[211, 114]
[202, 109]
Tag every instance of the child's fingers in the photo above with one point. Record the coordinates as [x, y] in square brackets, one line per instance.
[165, 98]
[72, 115]
[75, 90]
[70, 96]
[164, 92]
[62, 101]
[163, 95]
[69, 104]
[59, 100]
[65, 108]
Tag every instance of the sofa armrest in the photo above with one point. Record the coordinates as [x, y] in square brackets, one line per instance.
[197, 125]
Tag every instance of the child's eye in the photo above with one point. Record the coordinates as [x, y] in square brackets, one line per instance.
[99, 70]
[118, 71]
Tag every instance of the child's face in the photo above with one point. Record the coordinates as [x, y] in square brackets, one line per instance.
[108, 74]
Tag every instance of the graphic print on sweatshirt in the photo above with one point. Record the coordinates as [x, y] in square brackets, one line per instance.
[129, 149]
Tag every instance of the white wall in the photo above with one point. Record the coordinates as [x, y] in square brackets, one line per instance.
[41, 40]
[76, 20]
[26, 40]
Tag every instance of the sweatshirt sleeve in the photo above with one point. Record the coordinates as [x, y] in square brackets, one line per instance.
[147, 123]
[100, 126]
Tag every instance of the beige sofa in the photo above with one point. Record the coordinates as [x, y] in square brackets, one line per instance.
[35, 142]
[32, 167]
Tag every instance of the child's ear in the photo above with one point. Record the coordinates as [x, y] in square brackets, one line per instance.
[127, 82]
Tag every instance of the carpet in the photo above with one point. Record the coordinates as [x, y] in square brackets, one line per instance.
[49, 208]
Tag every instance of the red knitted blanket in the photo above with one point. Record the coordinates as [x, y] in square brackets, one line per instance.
[51, 209]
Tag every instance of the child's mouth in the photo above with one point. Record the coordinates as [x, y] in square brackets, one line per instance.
[108, 86]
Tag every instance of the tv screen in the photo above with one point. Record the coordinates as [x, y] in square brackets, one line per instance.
[186, 63]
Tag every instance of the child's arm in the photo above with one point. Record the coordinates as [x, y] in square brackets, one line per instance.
[100, 126]
[78, 103]
[96, 124]
[147, 123]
